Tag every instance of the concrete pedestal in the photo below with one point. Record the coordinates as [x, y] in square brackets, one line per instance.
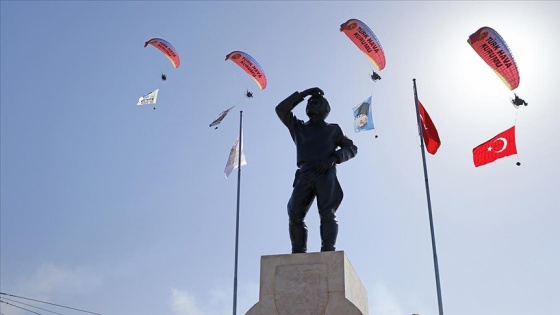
[310, 284]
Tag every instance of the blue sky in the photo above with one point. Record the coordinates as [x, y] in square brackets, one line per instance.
[122, 209]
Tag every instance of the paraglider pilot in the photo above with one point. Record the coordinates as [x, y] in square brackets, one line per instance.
[517, 101]
[374, 76]
[319, 147]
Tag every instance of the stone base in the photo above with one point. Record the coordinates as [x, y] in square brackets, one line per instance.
[323, 283]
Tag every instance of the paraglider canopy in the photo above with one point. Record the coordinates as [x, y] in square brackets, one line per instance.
[249, 65]
[492, 48]
[364, 38]
[166, 48]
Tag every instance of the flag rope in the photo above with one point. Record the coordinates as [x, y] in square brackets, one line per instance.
[371, 97]
[515, 124]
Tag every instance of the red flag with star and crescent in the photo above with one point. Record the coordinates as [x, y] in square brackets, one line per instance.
[429, 131]
[500, 146]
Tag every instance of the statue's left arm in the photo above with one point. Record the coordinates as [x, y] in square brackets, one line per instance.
[347, 148]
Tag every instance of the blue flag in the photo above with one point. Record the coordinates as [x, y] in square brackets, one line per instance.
[363, 120]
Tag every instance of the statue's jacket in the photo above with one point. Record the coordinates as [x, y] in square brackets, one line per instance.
[315, 140]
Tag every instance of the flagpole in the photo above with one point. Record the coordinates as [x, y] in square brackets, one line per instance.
[237, 213]
[420, 131]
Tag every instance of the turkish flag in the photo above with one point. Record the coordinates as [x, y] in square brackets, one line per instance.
[429, 131]
[500, 146]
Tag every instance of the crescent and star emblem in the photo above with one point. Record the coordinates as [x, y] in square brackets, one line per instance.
[503, 140]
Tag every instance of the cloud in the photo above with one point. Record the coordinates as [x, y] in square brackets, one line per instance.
[50, 281]
[384, 302]
[216, 301]
[184, 303]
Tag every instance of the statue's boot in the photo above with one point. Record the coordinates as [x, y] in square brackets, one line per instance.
[298, 236]
[329, 232]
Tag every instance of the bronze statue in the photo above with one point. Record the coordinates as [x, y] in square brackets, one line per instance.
[319, 147]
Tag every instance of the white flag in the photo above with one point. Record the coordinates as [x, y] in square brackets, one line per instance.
[220, 117]
[149, 98]
[233, 160]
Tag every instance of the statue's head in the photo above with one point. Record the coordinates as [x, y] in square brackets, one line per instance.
[317, 107]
